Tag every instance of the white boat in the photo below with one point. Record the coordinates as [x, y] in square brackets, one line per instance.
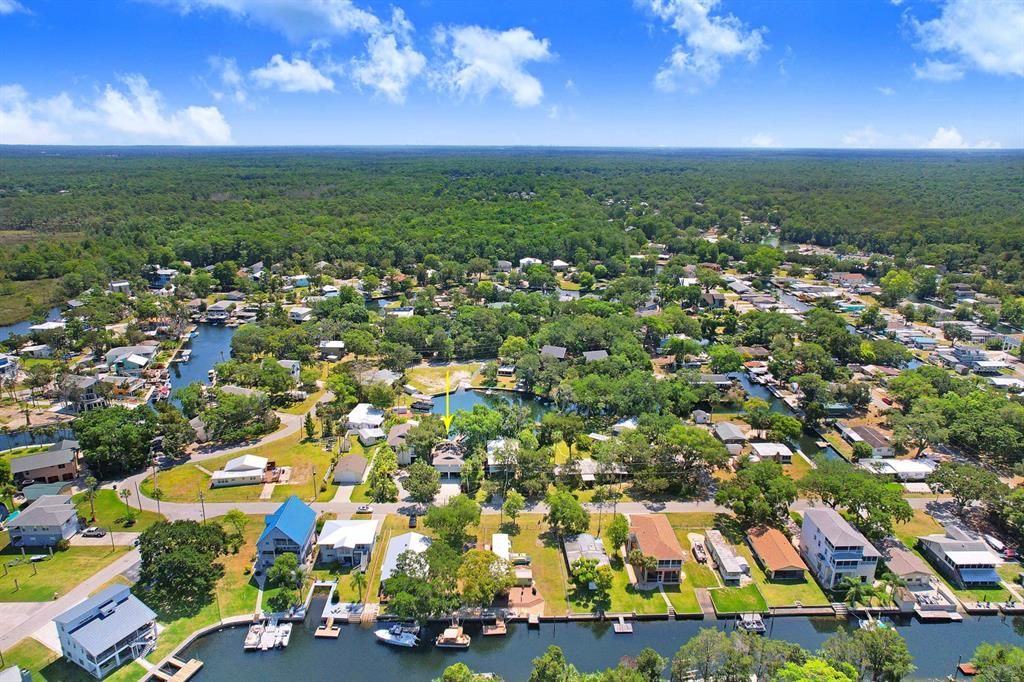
[253, 637]
[751, 622]
[397, 636]
[874, 624]
[284, 634]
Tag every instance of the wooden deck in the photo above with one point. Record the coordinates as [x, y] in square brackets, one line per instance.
[185, 670]
[622, 627]
[328, 630]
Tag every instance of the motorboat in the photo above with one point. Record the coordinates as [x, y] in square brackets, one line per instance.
[397, 635]
[453, 638]
[870, 623]
[284, 634]
[253, 637]
[751, 622]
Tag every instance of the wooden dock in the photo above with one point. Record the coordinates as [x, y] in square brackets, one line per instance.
[495, 629]
[184, 670]
[533, 620]
[328, 630]
[622, 627]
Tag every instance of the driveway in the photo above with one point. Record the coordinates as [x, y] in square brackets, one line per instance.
[124, 539]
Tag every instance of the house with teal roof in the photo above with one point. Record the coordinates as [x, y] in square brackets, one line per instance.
[289, 530]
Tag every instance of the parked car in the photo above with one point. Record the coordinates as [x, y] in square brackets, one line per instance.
[412, 520]
[364, 509]
[93, 532]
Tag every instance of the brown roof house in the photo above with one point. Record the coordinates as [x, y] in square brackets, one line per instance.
[653, 536]
[776, 554]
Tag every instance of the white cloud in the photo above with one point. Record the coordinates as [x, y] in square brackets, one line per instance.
[230, 78]
[133, 115]
[388, 67]
[981, 34]
[950, 138]
[296, 75]
[939, 71]
[887, 91]
[708, 40]
[763, 140]
[294, 18]
[865, 137]
[484, 60]
[12, 6]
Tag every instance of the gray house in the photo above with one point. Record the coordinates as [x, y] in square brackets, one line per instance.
[289, 530]
[45, 522]
[106, 631]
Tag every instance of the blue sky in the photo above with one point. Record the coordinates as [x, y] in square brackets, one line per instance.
[677, 73]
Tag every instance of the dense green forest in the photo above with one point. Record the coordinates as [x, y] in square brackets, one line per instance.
[85, 215]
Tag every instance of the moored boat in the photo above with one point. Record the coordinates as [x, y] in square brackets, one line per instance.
[751, 622]
[396, 635]
[453, 638]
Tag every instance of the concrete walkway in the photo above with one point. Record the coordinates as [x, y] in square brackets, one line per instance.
[20, 625]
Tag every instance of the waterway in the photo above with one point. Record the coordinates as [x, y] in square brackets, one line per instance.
[466, 399]
[212, 345]
[22, 327]
[590, 646]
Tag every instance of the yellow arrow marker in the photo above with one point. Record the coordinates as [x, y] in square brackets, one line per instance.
[447, 414]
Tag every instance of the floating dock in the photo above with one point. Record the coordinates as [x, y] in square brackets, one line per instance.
[328, 630]
[533, 620]
[622, 627]
[496, 629]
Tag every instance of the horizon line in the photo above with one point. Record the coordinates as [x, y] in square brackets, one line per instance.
[508, 146]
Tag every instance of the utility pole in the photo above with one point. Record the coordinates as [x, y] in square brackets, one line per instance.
[202, 504]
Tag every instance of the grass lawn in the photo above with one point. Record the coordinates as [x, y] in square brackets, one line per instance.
[921, 524]
[393, 525]
[429, 379]
[738, 599]
[841, 446]
[56, 575]
[15, 453]
[110, 512]
[46, 666]
[798, 469]
[783, 593]
[236, 594]
[546, 558]
[183, 483]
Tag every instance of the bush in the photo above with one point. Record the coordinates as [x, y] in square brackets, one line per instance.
[63, 545]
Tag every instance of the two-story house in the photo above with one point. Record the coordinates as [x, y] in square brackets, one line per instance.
[45, 522]
[290, 529]
[833, 549]
[106, 631]
[347, 542]
[58, 463]
[653, 536]
[964, 560]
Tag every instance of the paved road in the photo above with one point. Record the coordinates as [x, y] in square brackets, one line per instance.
[17, 626]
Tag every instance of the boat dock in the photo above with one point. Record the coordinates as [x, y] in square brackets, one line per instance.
[495, 629]
[533, 620]
[328, 630]
[184, 670]
[621, 627]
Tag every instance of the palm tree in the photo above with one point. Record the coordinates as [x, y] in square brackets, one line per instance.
[90, 494]
[157, 495]
[890, 582]
[125, 494]
[359, 582]
[856, 591]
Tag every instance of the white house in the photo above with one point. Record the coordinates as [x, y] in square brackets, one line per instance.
[347, 542]
[527, 262]
[966, 561]
[774, 451]
[44, 523]
[8, 366]
[833, 549]
[410, 542]
[396, 441]
[900, 469]
[106, 631]
[731, 566]
[242, 470]
[300, 314]
[294, 368]
[332, 350]
[365, 416]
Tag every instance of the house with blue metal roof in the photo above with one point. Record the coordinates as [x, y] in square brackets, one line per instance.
[106, 631]
[290, 529]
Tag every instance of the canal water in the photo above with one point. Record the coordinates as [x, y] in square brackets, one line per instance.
[212, 345]
[22, 327]
[356, 655]
[466, 399]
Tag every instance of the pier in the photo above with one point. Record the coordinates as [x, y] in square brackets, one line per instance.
[184, 670]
